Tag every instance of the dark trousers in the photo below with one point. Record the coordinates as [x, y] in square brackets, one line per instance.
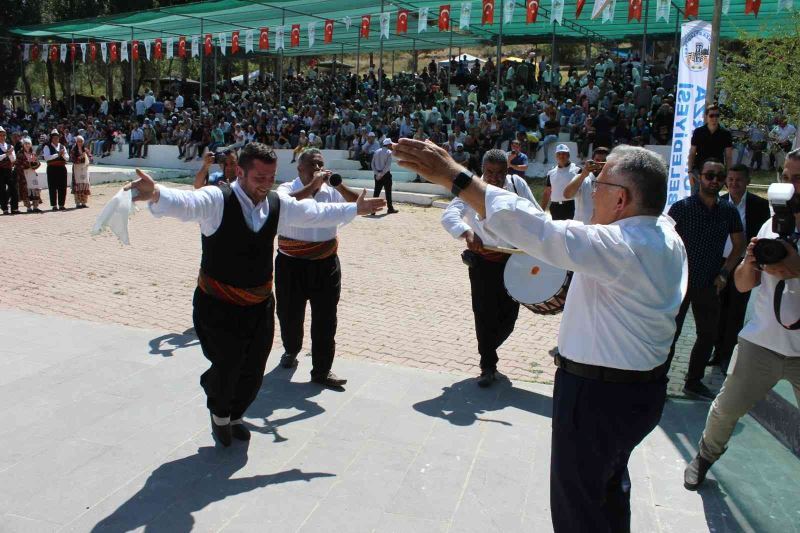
[9, 192]
[237, 340]
[366, 160]
[705, 308]
[562, 210]
[596, 426]
[732, 308]
[135, 149]
[385, 183]
[319, 282]
[495, 312]
[57, 185]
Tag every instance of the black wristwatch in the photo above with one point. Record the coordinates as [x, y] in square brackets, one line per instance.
[461, 182]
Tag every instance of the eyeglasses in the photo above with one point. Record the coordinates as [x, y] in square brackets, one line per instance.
[711, 176]
[713, 115]
[596, 183]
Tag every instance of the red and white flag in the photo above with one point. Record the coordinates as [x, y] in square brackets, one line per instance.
[444, 17]
[752, 6]
[235, 42]
[159, 53]
[73, 49]
[295, 38]
[488, 12]
[263, 39]
[53, 53]
[365, 21]
[93, 51]
[579, 8]
[402, 21]
[692, 8]
[531, 11]
[328, 34]
[207, 44]
[635, 10]
[182, 47]
[114, 54]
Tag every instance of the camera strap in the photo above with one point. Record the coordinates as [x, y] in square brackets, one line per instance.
[776, 301]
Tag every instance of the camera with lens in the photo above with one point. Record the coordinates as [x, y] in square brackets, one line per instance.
[785, 203]
[221, 157]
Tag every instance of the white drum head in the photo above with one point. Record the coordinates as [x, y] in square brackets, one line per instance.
[531, 281]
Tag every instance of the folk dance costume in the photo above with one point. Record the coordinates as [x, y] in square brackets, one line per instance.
[80, 175]
[56, 156]
[495, 311]
[233, 303]
[307, 269]
[22, 183]
[27, 163]
[9, 194]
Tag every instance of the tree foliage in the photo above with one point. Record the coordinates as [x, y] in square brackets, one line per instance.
[759, 80]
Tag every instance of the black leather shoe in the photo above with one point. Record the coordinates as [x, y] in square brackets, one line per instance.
[714, 361]
[221, 433]
[695, 472]
[331, 380]
[240, 432]
[392, 211]
[486, 378]
[698, 389]
[288, 360]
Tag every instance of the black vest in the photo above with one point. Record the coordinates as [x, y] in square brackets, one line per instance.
[234, 254]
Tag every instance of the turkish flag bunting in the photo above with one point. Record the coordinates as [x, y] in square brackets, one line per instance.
[34, 52]
[53, 53]
[692, 8]
[207, 44]
[444, 17]
[263, 39]
[752, 6]
[235, 42]
[114, 52]
[579, 8]
[72, 50]
[328, 31]
[295, 40]
[92, 51]
[402, 21]
[635, 10]
[365, 21]
[531, 11]
[182, 47]
[135, 50]
[488, 12]
[159, 49]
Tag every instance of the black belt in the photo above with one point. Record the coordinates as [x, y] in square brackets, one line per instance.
[562, 203]
[611, 375]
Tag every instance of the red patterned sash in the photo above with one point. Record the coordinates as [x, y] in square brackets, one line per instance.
[494, 257]
[308, 250]
[233, 295]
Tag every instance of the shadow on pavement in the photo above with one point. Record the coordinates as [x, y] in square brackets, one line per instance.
[179, 488]
[176, 341]
[463, 402]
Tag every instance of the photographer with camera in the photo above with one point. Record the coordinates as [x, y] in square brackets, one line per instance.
[580, 188]
[769, 344]
[226, 160]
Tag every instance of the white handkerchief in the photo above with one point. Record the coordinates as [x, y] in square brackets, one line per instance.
[114, 216]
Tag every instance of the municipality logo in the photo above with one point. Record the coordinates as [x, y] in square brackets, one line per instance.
[696, 48]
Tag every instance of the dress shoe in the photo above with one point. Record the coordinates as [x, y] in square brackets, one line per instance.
[714, 361]
[486, 378]
[240, 432]
[331, 380]
[392, 211]
[697, 388]
[62, 208]
[695, 472]
[288, 360]
[221, 432]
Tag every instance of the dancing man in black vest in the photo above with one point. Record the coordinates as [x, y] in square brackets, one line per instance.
[56, 156]
[233, 303]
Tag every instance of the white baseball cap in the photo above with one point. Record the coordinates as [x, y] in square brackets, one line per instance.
[387, 142]
[562, 148]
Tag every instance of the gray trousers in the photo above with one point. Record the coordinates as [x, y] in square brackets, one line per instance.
[754, 374]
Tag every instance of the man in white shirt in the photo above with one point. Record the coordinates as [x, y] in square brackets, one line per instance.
[768, 350]
[307, 270]
[592, 92]
[368, 149]
[495, 312]
[140, 108]
[558, 177]
[103, 106]
[9, 190]
[179, 102]
[149, 100]
[233, 302]
[381, 168]
[618, 323]
[580, 188]
[56, 156]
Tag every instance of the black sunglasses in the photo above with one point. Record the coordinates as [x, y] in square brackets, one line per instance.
[711, 176]
[713, 115]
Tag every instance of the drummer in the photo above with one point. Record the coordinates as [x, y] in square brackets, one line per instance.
[495, 312]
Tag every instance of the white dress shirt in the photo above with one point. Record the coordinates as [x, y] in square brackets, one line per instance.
[741, 208]
[630, 278]
[559, 179]
[326, 194]
[207, 204]
[7, 152]
[459, 217]
[762, 328]
[584, 203]
[50, 155]
[381, 162]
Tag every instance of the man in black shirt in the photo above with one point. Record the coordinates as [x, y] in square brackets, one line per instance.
[709, 141]
[704, 223]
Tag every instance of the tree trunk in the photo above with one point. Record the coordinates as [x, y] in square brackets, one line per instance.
[26, 83]
[126, 81]
[110, 82]
[51, 82]
[246, 72]
[228, 68]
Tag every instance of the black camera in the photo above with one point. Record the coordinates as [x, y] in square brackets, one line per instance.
[785, 203]
[221, 157]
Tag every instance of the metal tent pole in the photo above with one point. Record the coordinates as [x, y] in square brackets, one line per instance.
[200, 96]
[133, 73]
[499, 49]
[280, 66]
[449, 65]
[644, 36]
[358, 54]
[712, 67]
[380, 69]
[677, 33]
[553, 58]
[72, 80]
[215, 64]
[392, 63]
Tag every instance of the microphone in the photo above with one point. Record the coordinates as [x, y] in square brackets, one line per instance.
[335, 180]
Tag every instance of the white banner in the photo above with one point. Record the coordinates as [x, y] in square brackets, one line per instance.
[422, 22]
[508, 11]
[557, 11]
[44, 52]
[26, 51]
[312, 33]
[63, 52]
[123, 51]
[466, 12]
[170, 43]
[600, 6]
[248, 41]
[147, 43]
[385, 25]
[690, 104]
[279, 38]
[222, 40]
[347, 22]
[104, 52]
[608, 13]
[663, 7]
[783, 5]
[195, 45]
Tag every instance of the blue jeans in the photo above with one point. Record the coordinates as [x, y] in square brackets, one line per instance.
[547, 142]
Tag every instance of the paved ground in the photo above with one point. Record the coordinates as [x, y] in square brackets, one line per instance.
[405, 296]
[105, 430]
